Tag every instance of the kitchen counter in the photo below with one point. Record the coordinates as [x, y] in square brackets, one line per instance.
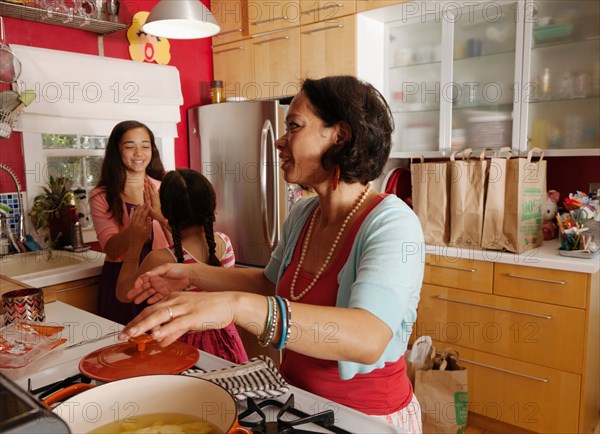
[79, 325]
[63, 362]
[37, 270]
[545, 256]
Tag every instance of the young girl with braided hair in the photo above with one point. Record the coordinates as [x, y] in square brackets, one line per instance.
[187, 202]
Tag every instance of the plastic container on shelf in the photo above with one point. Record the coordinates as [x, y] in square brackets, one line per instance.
[492, 130]
[552, 31]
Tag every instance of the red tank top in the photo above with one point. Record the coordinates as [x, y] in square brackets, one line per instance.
[380, 392]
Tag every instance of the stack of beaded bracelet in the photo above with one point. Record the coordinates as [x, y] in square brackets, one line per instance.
[276, 304]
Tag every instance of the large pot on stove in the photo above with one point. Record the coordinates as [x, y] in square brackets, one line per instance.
[139, 379]
[123, 400]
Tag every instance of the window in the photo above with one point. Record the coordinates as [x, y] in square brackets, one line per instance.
[78, 157]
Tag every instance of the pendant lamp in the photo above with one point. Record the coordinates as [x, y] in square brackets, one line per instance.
[181, 19]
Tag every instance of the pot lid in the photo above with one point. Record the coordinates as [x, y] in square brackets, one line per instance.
[139, 356]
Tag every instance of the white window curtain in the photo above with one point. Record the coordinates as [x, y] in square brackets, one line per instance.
[86, 94]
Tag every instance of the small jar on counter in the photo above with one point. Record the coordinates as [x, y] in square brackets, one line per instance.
[217, 91]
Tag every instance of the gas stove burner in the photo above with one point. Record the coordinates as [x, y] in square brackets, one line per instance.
[288, 420]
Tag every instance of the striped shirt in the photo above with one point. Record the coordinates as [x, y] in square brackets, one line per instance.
[227, 259]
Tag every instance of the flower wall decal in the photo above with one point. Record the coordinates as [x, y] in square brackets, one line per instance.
[144, 47]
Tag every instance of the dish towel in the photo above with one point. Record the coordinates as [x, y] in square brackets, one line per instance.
[257, 378]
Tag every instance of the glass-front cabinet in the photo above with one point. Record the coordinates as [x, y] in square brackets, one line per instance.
[483, 74]
[561, 109]
[413, 83]
[485, 55]
[451, 71]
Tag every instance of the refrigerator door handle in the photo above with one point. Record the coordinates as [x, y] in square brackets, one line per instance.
[269, 216]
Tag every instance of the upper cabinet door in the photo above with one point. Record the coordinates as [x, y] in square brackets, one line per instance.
[329, 48]
[561, 78]
[485, 67]
[233, 63]
[366, 5]
[412, 84]
[232, 18]
[267, 16]
[277, 63]
[327, 10]
[450, 76]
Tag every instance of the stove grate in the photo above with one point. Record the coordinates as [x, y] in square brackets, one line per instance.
[255, 419]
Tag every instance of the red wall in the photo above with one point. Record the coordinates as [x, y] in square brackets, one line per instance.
[193, 59]
[194, 62]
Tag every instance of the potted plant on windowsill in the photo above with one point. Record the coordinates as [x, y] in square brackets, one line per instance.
[54, 213]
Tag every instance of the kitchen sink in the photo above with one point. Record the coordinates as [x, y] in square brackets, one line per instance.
[39, 269]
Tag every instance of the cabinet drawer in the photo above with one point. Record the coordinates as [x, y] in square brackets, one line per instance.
[567, 288]
[329, 11]
[532, 397]
[544, 334]
[83, 293]
[459, 273]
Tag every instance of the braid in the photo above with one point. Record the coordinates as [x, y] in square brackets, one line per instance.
[212, 246]
[177, 243]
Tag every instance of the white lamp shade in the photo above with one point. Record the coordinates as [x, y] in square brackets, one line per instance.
[181, 19]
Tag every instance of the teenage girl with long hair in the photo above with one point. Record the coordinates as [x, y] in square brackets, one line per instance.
[130, 177]
[188, 202]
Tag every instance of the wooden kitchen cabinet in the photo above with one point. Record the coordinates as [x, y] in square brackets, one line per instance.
[459, 273]
[566, 288]
[234, 64]
[267, 16]
[540, 333]
[528, 396]
[367, 5]
[328, 10]
[232, 16]
[329, 48]
[277, 63]
[82, 293]
[529, 337]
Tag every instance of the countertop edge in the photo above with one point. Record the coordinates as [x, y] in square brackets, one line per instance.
[545, 256]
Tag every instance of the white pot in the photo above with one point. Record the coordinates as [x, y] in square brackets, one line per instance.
[125, 399]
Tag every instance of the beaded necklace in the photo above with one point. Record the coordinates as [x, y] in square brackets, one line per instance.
[357, 204]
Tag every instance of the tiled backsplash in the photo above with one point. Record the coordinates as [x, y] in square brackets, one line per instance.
[10, 200]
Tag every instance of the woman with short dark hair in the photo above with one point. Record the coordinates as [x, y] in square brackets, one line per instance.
[341, 290]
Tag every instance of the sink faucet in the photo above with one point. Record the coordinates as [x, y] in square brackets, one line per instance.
[21, 233]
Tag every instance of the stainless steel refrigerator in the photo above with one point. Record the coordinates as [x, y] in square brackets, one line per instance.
[232, 144]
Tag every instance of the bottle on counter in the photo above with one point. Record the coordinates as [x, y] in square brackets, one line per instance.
[217, 91]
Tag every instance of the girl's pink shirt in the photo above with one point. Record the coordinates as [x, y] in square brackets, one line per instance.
[106, 226]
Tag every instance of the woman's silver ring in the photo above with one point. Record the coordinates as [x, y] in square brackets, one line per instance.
[170, 314]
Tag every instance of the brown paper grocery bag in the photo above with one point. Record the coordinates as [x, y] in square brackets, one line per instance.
[492, 236]
[430, 199]
[513, 217]
[467, 194]
[443, 397]
[525, 191]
